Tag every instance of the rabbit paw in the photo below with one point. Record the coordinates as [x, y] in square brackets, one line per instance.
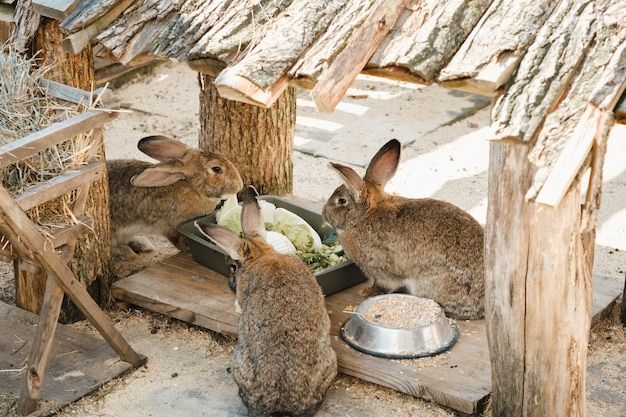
[141, 244]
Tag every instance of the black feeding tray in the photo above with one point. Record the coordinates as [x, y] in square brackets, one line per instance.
[333, 279]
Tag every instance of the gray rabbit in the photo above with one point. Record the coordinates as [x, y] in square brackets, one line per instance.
[283, 362]
[148, 198]
[428, 247]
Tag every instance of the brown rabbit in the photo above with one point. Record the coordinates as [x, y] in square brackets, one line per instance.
[428, 247]
[283, 362]
[148, 198]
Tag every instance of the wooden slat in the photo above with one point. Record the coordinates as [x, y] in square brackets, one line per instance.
[75, 95]
[60, 185]
[55, 9]
[70, 233]
[489, 56]
[348, 64]
[13, 152]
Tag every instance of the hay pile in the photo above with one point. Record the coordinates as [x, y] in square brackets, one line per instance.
[25, 109]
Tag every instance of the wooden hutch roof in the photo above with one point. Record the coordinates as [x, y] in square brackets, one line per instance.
[556, 69]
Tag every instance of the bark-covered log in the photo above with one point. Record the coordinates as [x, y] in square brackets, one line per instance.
[545, 71]
[561, 124]
[315, 59]
[226, 42]
[426, 38]
[537, 312]
[348, 63]
[191, 23]
[270, 58]
[136, 31]
[26, 24]
[86, 13]
[258, 141]
[490, 54]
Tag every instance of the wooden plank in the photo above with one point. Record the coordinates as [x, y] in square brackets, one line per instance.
[426, 38]
[460, 379]
[15, 151]
[20, 227]
[55, 9]
[350, 62]
[77, 360]
[490, 54]
[261, 72]
[61, 185]
[75, 42]
[184, 289]
[75, 95]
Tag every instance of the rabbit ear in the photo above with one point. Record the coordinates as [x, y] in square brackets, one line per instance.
[162, 148]
[157, 176]
[350, 178]
[251, 218]
[384, 164]
[222, 237]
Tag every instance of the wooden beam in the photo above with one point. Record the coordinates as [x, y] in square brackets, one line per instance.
[6, 13]
[348, 64]
[60, 185]
[15, 151]
[55, 9]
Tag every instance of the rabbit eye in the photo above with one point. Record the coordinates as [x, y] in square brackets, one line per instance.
[342, 201]
[217, 169]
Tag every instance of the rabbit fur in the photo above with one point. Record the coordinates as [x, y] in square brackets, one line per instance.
[147, 198]
[283, 362]
[428, 247]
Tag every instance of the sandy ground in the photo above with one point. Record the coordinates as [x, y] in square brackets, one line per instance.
[445, 156]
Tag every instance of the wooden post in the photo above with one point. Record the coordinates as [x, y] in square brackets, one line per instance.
[538, 301]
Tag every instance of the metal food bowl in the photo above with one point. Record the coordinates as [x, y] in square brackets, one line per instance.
[382, 326]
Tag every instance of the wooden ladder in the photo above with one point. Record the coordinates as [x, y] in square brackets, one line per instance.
[54, 254]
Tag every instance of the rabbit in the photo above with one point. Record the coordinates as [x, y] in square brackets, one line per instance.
[427, 247]
[283, 362]
[148, 198]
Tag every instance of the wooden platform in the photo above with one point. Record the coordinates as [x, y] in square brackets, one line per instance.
[459, 378]
[79, 363]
